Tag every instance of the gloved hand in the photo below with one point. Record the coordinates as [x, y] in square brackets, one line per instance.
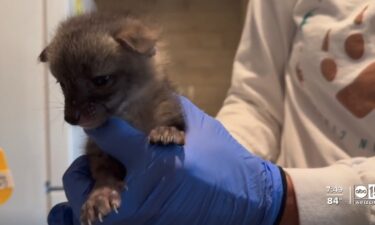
[212, 180]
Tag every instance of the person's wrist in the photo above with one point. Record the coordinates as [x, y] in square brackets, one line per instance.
[290, 211]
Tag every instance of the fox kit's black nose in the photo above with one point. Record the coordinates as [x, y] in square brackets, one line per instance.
[72, 117]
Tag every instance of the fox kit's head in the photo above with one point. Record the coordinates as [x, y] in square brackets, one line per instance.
[100, 61]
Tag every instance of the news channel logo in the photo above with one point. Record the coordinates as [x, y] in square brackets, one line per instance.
[364, 194]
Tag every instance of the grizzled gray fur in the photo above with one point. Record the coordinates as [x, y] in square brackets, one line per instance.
[107, 66]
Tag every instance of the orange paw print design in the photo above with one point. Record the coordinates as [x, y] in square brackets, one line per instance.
[359, 96]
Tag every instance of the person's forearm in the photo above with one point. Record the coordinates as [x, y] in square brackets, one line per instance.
[290, 215]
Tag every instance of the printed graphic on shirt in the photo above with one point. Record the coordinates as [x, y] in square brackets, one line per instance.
[345, 47]
[299, 73]
[306, 17]
[328, 66]
[359, 96]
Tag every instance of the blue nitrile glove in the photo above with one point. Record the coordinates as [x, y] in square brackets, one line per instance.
[62, 214]
[212, 180]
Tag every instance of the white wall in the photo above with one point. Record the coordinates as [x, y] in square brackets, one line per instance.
[22, 110]
[38, 143]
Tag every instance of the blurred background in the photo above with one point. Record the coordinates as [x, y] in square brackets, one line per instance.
[201, 38]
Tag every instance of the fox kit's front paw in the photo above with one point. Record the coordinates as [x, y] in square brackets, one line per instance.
[101, 202]
[167, 135]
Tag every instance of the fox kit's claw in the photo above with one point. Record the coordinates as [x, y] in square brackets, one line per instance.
[100, 203]
[166, 135]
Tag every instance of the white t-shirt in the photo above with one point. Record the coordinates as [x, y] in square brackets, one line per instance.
[303, 94]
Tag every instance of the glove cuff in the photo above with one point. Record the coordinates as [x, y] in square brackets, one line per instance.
[277, 194]
[283, 199]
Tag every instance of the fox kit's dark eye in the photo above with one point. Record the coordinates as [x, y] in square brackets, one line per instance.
[101, 81]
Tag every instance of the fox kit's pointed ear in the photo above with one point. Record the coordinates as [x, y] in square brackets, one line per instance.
[43, 55]
[138, 38]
